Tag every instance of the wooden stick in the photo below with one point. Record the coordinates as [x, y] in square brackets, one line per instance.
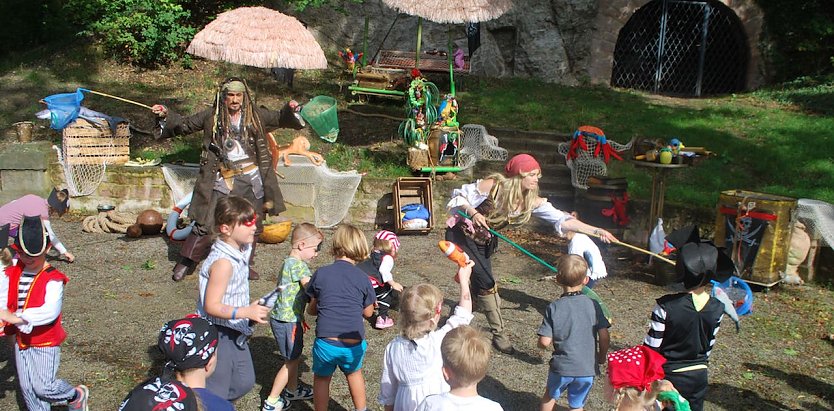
[119, 98]
[627, 245]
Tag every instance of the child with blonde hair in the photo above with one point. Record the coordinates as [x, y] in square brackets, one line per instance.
[572, 326]
[340, 296]
[378, 267]
[466, 353]
[412, 365]
[287, 317]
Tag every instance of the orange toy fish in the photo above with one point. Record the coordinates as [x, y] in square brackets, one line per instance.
[454, 253]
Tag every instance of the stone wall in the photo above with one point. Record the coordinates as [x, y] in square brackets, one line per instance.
[560, 41]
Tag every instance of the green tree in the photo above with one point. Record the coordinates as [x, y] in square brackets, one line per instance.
[141, 32]
[801, 36]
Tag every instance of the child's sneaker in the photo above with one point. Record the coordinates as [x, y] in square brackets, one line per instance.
[80, 403]
[302, 392]
[282, 404]
[384, 322]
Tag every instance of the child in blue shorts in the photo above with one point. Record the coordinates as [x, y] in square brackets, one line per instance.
[342, 298]
[572, 324]
[287, 317]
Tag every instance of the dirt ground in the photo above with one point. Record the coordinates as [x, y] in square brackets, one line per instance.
[120, 293]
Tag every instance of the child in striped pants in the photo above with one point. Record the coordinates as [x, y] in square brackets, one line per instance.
[31, 294]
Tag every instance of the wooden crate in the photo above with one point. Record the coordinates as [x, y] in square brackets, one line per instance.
[86, 142]
[772, 256]
[411, 190]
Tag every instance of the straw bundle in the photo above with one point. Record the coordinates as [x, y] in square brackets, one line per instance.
[259, 37]
[459, 11]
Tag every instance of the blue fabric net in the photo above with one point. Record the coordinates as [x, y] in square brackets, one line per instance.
[64, 108]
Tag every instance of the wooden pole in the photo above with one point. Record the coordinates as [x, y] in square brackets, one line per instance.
[119, 98]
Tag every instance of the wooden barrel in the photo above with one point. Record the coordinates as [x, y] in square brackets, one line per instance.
[765, 233]
[599, 199]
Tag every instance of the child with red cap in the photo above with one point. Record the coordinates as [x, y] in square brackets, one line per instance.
[635, 382]
[496, 201]
[378, 267]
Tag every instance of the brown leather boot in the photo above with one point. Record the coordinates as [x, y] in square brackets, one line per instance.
[253, 275]
[183, 268]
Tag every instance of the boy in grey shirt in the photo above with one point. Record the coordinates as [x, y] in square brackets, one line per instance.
[572, 324]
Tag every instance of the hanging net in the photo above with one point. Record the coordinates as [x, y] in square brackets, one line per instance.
[330, 193]
[818, 217]
[588, 153]
[88, 147]
[181, 179]
[478, 145]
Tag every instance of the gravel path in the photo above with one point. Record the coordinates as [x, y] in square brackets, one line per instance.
[120, 294]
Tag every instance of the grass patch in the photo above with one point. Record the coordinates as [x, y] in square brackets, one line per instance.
[387, 162]
[764, 143]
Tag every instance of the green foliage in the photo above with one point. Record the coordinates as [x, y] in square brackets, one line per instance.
[141, 32]
[341, 6]
[802, 35]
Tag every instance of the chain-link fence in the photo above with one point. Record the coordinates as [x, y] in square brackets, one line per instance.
[688, 48]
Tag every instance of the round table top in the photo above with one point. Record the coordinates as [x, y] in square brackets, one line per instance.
[640, 163]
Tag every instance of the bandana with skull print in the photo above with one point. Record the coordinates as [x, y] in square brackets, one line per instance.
[188, 343]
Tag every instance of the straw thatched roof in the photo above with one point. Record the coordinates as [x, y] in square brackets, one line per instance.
[260, 37]
[456, 11]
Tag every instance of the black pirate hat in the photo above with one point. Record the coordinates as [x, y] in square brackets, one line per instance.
[700, 262]
[681, 236]
[4, 236]
[32, 238]
[59, 206]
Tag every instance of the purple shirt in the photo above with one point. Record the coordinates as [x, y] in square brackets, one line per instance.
[342, 291]
[28, 205]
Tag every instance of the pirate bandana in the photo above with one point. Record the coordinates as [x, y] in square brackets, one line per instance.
[157, 394]
[390, 237]
[188, 343]
[635, 367]
[521, 164]
[234, 86]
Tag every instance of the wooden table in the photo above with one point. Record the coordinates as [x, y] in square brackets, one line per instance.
[659, 172]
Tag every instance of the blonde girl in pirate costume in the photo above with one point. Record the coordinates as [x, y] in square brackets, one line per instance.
[31, 296]
[224, 297]
[496, 201]
[235, 161]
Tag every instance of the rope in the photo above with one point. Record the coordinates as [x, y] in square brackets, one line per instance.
[108, 222]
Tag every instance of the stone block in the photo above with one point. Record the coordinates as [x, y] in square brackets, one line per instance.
[26, 156]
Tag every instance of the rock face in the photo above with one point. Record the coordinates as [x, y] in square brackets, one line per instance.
[560, 41]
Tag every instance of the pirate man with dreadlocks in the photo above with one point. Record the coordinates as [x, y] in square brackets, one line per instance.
[235, 161]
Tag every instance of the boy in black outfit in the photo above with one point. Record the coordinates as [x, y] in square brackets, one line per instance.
[684, 325]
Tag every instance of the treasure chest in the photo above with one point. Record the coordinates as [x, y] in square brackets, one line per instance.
[755, 228]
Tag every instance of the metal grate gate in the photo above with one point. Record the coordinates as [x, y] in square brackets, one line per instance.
[688, 48]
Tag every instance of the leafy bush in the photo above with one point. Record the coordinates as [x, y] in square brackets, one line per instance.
[802, 36]
[141, 32]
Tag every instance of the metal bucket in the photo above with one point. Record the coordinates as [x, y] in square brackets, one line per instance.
[25, 131]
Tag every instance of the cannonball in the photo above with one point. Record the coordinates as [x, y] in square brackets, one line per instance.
[150, 221]
[134, 231]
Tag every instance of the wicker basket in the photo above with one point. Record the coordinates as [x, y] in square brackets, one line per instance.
[86, 142]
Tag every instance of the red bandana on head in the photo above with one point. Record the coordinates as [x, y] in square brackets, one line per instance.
[635, 367]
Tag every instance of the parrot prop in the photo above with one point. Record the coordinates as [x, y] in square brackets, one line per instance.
[603, 148]
[350, 58]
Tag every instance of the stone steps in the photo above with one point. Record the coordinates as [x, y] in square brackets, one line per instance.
[544, 146]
